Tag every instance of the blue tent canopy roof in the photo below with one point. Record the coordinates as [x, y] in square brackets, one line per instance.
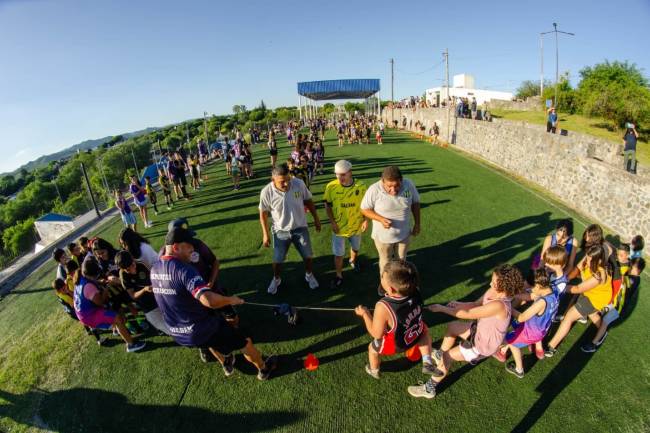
[54, 217]
[339, 89]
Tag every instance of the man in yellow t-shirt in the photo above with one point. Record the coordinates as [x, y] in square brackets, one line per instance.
[343, 205]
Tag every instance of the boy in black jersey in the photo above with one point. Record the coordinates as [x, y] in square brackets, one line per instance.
[397, 323]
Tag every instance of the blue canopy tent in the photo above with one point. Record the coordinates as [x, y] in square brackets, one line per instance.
[311, 91]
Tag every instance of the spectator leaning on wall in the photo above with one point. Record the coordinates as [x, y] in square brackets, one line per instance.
[629, 152]
[551, 120]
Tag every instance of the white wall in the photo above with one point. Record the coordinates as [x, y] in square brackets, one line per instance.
[480, 94]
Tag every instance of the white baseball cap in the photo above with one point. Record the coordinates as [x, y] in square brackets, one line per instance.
[342, 166]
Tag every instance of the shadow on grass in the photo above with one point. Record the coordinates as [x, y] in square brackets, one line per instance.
[86, 409]
[566, 371]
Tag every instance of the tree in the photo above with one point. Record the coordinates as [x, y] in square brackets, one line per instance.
[530, 88]
[617, 91]
[566, 95]
[237, 109]
[19, 238]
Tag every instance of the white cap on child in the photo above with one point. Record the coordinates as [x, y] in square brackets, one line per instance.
[342, 167]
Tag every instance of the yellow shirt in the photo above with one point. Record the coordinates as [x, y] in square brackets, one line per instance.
[602, 293]
[345, 202]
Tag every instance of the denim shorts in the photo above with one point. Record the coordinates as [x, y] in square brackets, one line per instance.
[128, 219]
[282, 240]
[338, 244]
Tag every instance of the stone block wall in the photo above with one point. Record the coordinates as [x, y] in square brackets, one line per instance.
[582, 171]
[534, 103]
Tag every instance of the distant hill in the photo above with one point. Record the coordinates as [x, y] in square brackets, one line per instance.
[83, 146]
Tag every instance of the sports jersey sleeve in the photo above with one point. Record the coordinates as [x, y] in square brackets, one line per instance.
[192, 281]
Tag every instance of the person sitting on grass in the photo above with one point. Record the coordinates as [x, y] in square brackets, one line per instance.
[139, 247]
[636, 247]
[397, 324]
[483, 335]
[617, 307]
[61, 258]
[186, 301]
[531, 325]
[89, 302]
[595, 292]
[135, 279]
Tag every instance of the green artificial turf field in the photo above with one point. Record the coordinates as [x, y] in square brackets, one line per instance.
[54, 377]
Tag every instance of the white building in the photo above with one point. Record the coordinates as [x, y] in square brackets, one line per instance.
[51, 227]
[463, 87]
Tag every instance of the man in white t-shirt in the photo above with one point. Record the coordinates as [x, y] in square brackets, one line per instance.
[389, 204]
[285, 199]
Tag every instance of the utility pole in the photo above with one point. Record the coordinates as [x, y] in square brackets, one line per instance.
[557, 61]
[135, 164]
[392, 90]
[90, 190]
[446, 56]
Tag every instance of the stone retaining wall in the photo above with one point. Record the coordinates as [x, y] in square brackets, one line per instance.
[534, 103]
[582, 171]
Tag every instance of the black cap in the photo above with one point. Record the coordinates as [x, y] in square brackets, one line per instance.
[180, 223]
[178, 235]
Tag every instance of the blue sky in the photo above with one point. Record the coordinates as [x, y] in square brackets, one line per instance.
[76, 70]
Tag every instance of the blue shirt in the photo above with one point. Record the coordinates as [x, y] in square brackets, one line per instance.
[552, 117]
[177, 287]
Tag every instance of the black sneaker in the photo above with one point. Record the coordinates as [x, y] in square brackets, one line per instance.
[511, 368]
[355, 265]
[550, 352]
[558, 318]
[589, 348]
[229, 365]
[337, 283]
[270, 364]
[206, 355]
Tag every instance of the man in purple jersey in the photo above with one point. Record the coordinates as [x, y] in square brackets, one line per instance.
[185, 300]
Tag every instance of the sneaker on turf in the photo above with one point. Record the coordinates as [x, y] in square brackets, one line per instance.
[270, 364]
[273, 287]
[550, 352]
[355, 266]
[205, 355]
[589, 348]
[583, 320]
[426, 390]
[428, 368]
[511, 368]
[134, 347]
[558, 318]
[337, 282]
[372, 373]
[229, 365]
[101, 341]
[437, 355]
[602, 339]
[313, 283]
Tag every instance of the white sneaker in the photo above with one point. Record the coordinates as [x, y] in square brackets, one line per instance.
[313, 283]
[273, 287]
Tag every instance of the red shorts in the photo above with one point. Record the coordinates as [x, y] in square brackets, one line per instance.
[386, 345]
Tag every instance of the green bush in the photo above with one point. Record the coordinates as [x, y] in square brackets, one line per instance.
[19, 238]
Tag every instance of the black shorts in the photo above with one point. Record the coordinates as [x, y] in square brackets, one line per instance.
[176, 180]
[273, 152]
[584, 306]
[226, 340]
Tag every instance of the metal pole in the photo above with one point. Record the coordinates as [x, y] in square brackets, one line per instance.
[392, 89]
[541, 67]
[90, 190]
[57, 190]
[137, 172]
[446, 55]
[557, 67]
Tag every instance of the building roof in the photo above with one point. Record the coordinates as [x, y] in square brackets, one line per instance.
[54, 217]
[339, 89]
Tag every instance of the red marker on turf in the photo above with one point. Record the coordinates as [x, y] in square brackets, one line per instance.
[311, 362]
[413, 354]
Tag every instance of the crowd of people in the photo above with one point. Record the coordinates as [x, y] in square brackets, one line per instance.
[176, 291]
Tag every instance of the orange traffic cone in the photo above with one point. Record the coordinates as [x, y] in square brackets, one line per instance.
[311, 362]
[413, 354]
